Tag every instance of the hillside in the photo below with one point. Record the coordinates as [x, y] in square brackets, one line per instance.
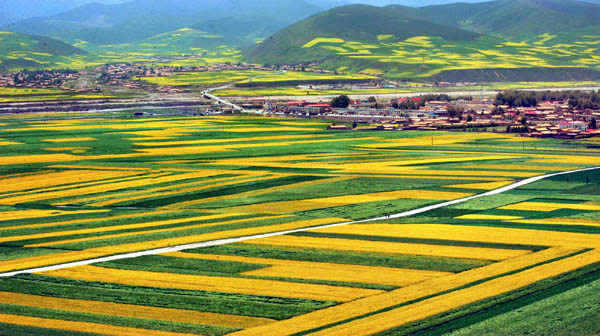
[518, 19]
[136, 21]
[27, 51]
[403, 43]
[348, 31]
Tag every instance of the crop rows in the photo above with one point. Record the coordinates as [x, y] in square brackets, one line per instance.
[143, 184]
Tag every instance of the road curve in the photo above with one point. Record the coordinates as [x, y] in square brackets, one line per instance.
[280, 233]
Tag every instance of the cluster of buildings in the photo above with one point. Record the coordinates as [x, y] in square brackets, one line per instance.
[548, 119]
[43, 79]
[556, 119]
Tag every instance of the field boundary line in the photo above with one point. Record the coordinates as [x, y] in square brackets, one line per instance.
[226, 241]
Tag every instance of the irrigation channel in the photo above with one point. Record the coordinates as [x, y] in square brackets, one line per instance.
[281, 233]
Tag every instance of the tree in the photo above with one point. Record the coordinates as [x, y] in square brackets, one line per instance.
[524, 121]
[469, 118]
[372, 99]
[593, 124]
[342, 101]
[354, 124]
[455, 112]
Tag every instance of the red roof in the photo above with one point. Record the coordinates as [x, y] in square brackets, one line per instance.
[318, 105]
[415, 98]
[403, 99]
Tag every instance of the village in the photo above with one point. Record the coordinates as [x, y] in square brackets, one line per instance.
[555, 119]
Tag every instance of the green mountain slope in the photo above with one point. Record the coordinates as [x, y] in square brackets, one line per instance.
[517, 19]
[134, 23]
[398, 42]
[320, 36]
[26, 51]
[176, 42]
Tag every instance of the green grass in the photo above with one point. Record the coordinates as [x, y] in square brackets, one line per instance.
[563, 312]
[346, 257]
[223, 303]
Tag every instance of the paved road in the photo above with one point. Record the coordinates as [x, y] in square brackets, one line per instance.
[280, 233]
[485, 93]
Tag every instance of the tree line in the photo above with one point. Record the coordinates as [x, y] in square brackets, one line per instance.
[575, 99]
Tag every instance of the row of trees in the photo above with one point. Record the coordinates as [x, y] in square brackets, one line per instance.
[575, 99]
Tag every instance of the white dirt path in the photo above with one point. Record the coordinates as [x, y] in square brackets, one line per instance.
[281, 233]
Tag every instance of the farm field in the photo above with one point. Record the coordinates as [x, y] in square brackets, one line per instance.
[425, 56]
[10, 95]
[79, 189]
[250, 78]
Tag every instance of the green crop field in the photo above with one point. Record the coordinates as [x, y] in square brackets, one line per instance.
[85, 188]
[247, 78]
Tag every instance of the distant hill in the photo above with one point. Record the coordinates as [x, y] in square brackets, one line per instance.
[135, 21]
[449, 41]
[517, 19]
[15, 10]
[26, 51]
[362, 24]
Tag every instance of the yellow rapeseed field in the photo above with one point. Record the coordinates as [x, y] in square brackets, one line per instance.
[328, 202]
[217, 235]
[104, 229]
[51, 179]
[80, 139]
[191, 204]
[490, 217]
[373, 303]
[560, 221]
[214, 283]
[547, 206]
[35, 213]
[523, 167]
[105, 187]
[418, 311]
[85, 327]
[40, 261]
[324, 271]
[472, 233]
[482, 186]
[141, 225]
[84, 221]
[127, 310]
[244, 139]
[387, 247]
[151, 193]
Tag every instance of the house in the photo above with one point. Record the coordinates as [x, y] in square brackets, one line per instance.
[318, 108]
[577, 125]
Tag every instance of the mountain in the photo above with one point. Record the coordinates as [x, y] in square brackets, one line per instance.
[359, 24]
[132, 22]
[517, 19]
[26, 51]
[14, 10]
[449, 41]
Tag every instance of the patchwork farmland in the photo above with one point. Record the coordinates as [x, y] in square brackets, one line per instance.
[74, 190]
